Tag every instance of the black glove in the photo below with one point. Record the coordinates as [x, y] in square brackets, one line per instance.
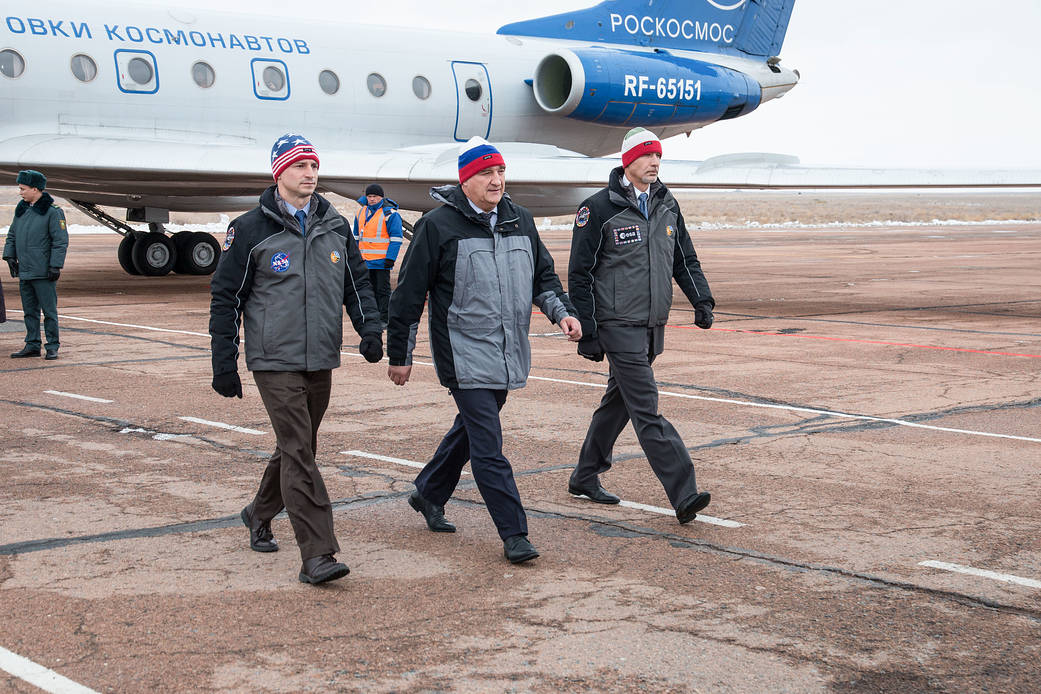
[371, 347]
[13, 264]
[228, 384]
[53, 273]
[591, 349]
[387, 263]
[703, 316]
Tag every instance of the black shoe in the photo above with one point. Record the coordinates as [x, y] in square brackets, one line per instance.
[435, 515]
[517, 549]
[688, 510]
[261, 538]
[321, 569]
[51, 354]
[599, 495]
[26, 351]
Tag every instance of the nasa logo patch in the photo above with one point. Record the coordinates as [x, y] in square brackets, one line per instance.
[280, 261]
[229, 239]
[582, 217]
[334, 256]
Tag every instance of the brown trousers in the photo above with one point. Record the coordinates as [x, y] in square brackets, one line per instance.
[296, 402]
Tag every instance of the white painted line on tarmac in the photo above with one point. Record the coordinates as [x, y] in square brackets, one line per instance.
[669, 512]
[809, 410]
[388, 459]
[75, 395]
[983, 573]
[222, 425]
[38, 675]
[132, 325]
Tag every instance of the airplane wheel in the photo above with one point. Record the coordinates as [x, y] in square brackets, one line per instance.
[201, 253]
[182, 240]
[154, 254]
[125, 253]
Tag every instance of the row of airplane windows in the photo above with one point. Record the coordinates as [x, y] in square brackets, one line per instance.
[271, 75]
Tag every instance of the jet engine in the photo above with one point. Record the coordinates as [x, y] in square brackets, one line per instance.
[614, 87]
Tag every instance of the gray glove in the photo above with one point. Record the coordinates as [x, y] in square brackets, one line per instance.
[13, 264]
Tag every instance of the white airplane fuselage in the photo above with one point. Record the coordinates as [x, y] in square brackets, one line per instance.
[48, 108]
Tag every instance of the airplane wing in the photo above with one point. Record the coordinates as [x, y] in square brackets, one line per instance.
[229, 174]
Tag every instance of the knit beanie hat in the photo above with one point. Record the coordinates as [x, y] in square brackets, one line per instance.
[638, 142]
[374, 189]
[288, 150]
[477, 155]
[33, 179]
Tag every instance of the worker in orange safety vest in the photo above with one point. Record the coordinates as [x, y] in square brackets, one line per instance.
[377, 228]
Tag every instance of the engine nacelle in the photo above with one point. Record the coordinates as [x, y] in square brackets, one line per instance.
[613, 87]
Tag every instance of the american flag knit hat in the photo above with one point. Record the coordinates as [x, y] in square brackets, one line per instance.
[288, 150]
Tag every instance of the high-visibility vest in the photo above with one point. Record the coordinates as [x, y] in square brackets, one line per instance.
[373, 238]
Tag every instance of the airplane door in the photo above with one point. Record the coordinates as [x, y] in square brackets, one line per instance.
[473, 91]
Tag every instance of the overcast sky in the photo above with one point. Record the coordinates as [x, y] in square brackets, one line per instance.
[911, 83]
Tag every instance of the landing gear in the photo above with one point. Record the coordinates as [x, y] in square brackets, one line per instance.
[153, 253]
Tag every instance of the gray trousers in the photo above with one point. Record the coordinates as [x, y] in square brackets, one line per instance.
[296, 402]
[40, 295]
[632, 395]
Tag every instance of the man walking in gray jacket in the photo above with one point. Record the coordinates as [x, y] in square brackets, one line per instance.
[480, 261]
[288, 268]
[628, 244]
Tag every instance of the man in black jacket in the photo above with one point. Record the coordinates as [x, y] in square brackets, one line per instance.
[480, 260]
[629, 242]
[289, 267]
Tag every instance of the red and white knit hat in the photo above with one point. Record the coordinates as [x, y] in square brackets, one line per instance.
[638, 142]
[288, 150]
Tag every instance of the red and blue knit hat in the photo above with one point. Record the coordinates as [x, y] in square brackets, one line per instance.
[477, 155]
[288, 150]
[638, 142]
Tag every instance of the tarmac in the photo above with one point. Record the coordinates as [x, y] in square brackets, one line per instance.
[866, 413]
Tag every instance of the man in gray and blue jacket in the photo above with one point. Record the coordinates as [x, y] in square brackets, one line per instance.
[480, 261]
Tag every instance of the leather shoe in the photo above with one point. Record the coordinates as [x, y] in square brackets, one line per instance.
[26, 351]
[261, 539]
[51, 355]
[599, 495]
[435, 515]
[321, 569]
[688, 510]
[517, 549]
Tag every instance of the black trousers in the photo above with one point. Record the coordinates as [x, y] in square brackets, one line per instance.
[296, 402]
[476, 435]
[632, 395]
[381, 286]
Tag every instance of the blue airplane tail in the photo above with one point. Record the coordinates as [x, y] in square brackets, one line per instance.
[739, 27]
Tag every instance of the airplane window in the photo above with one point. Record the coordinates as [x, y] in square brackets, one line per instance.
[203, 75]
[328, 81]
[421, 87]
[377, 85]
[473, 89]
[274, 79]
[140, 70]
[11, 63]
[84, 67]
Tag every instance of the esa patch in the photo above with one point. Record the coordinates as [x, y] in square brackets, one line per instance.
[334, 256]
[229, 239]
[624, 236]
[582, 217]
[61, 223]
[280, 261]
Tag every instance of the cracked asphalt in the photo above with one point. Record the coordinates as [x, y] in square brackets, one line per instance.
[869, 399]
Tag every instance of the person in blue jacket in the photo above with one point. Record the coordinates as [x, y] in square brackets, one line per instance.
[35, 252]
[377, 229]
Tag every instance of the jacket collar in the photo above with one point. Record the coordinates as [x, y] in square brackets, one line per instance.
[272, 207]
[453, 196]
[619, 193]
[39, 207]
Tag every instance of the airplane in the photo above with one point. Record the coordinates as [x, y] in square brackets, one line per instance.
[155, 109]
